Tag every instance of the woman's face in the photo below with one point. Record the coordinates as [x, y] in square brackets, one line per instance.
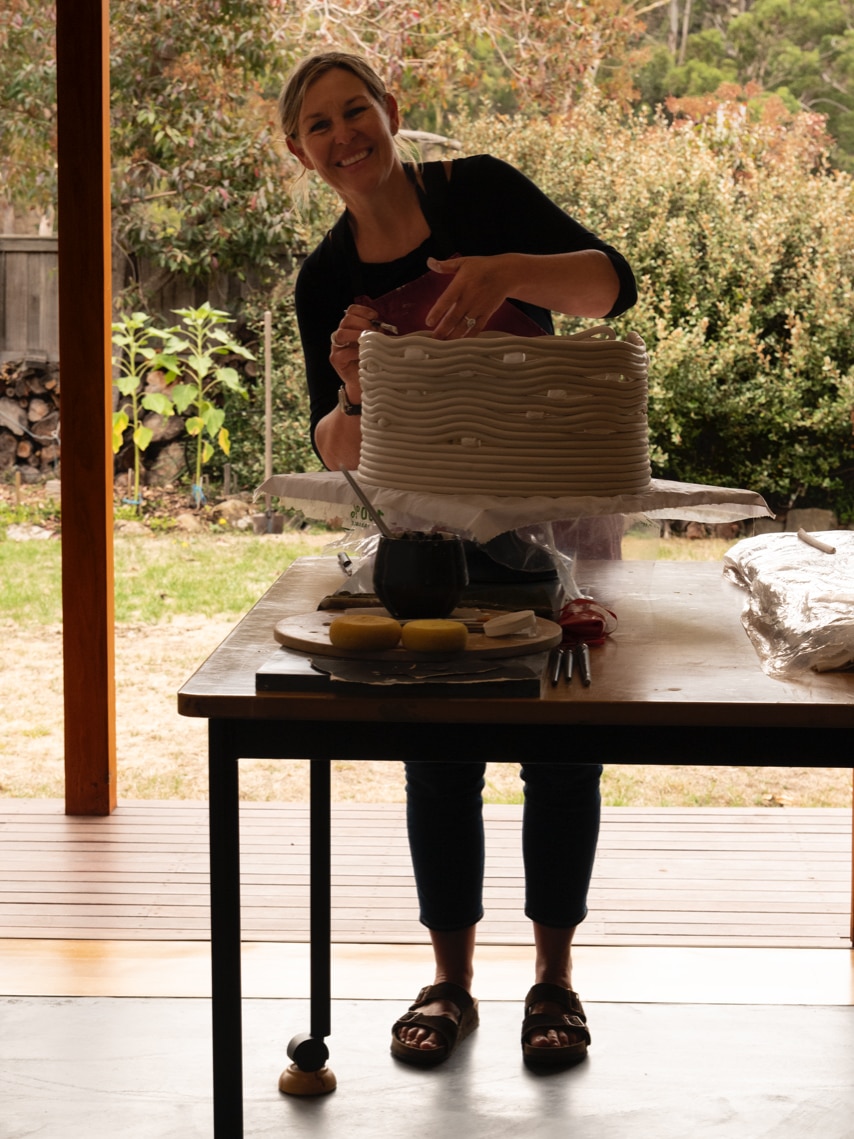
[345, 134]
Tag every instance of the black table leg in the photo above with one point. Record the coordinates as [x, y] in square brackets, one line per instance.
[309, 1075]
[225, 931]
[321, 899]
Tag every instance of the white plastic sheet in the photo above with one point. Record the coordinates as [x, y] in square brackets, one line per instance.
[326, 496]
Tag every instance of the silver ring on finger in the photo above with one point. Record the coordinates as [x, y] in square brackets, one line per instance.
[470, 322]
[335, 343]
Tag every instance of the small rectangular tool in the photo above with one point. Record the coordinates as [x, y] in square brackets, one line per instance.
[561, 665]
[582, 653]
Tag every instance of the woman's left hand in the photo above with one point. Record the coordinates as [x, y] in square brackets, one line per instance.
[479, 287]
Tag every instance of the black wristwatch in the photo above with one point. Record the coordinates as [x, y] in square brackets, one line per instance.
[345, 405]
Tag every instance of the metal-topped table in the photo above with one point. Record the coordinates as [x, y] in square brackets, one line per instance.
[679, 659]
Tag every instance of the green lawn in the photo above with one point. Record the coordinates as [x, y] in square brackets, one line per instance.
[211, 575]
[156, 577]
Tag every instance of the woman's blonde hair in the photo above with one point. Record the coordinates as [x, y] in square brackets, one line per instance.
[310, 69]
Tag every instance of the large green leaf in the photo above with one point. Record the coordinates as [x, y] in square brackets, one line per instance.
[183, 395]
[159, 403]
[165, 362]
[142, 437]
[127, 384]
[201, 364]
[229, 378]
[214, 418]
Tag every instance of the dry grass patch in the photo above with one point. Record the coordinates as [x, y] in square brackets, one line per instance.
[162, 755]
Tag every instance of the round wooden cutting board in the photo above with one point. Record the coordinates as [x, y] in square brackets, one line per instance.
[309, 632]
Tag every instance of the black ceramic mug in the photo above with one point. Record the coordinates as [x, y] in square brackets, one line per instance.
[420, 575]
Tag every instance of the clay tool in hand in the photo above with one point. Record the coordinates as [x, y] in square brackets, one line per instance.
[368, 505]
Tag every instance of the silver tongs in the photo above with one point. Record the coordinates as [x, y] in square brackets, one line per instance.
[564, 660]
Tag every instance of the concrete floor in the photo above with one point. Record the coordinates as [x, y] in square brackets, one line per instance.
[131, 1068]
[111, 1040]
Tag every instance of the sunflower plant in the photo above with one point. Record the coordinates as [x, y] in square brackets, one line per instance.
[195, 346]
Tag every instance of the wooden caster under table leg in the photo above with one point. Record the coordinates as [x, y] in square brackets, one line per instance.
[294, 1081]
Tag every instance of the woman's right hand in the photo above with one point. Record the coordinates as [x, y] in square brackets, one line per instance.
[338, 437]
[344, 347]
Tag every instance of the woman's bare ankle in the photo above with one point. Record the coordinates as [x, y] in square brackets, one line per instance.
[453, 952]
[553, 963]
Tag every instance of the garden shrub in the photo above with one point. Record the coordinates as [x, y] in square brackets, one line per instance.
[742, 240]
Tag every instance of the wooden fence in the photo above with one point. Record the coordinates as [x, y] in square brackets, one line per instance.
[29, 299]
[29, 290]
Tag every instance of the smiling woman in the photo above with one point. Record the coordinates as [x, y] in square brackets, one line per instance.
[495, 241]
[344, 133]
[304, 112]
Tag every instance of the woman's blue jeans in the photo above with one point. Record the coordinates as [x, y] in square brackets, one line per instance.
[560, 828]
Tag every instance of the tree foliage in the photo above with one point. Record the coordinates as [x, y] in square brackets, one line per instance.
[197, 169]
[28, 104]
[198, 176]
[197, 172]
[489, 54]
[800, 50]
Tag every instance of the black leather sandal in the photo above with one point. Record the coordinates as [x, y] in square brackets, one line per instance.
[451, 1032]
[571, 1020]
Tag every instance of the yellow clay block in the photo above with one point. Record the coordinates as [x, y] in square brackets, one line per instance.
[364, 631]
[434, 636]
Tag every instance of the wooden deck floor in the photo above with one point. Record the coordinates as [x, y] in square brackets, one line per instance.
[664, 877]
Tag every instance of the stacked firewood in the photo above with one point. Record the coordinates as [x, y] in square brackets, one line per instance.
[29, 419]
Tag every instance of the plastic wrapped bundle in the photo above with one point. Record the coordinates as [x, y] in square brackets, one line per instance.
[799, 613]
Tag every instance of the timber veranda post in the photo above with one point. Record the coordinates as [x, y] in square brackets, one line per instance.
[85, 316]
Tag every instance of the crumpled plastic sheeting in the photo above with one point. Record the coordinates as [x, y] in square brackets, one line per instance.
[326, 496]
[800, 610]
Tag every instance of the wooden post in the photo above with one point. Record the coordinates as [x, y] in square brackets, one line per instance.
[268, 408]
[85, 313]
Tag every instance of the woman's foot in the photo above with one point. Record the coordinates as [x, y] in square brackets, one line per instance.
[440, 1018]
[417, 1036]
[551, 1036]
[453, 951]
[554, 1030]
